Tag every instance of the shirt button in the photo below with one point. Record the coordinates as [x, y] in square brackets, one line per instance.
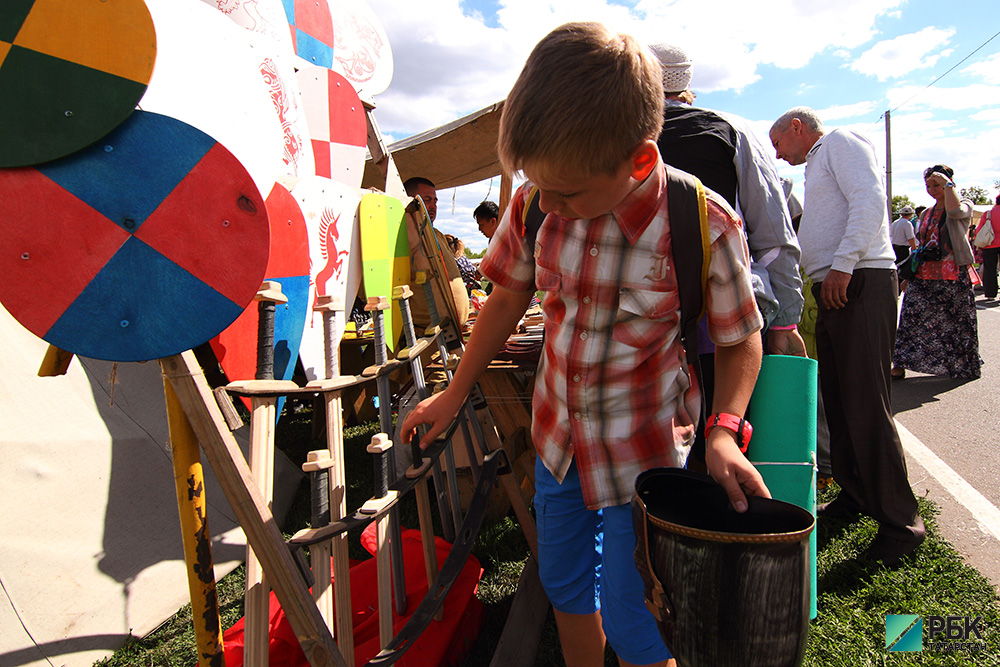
[577, 416]
[576, 378]
[593, 251]
[586, 299]
[584, 336]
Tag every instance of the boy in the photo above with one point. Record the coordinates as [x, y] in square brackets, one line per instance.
[612, 397]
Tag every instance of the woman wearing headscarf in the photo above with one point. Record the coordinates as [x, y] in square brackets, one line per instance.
[937, 332]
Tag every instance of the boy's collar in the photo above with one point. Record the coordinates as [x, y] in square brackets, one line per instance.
[638, 209]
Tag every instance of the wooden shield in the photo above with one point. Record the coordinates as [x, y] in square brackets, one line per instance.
[70, 72]
[145, 245]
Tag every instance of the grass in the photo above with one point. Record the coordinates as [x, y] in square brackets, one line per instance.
[854, 596]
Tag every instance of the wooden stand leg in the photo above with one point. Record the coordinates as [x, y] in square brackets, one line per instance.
[510, 485]
[256, 603]
[338, 508]
[427, 538]
[332, 309]
[379, 448]
[384, 568]
[190, 483]
[250, 508]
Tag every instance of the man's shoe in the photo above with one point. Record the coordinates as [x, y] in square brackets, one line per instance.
[836, 509]
[891, 550]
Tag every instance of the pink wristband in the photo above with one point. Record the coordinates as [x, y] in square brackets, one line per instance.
[785, 327]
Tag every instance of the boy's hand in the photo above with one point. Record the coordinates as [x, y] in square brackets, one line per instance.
[729, 467]
[439, 411]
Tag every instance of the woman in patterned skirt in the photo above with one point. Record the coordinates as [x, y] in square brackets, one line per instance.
[937, 331]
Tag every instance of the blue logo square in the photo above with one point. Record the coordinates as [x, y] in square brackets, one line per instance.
[904, 632]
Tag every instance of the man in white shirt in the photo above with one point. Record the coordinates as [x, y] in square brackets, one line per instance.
[844, 236]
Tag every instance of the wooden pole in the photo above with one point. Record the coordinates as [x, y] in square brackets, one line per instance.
[506, 185]
[331, 309]
[402, 294]
[888, 165]
[256, 603]
[376, 305]
[379, 448]
[189, 480]
[55, 363]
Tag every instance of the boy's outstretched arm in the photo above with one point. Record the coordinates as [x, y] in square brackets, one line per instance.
[495, 323]
[736, 368]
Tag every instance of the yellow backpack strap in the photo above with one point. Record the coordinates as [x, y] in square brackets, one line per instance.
[706, 244]
[687, 208]
[532, 217]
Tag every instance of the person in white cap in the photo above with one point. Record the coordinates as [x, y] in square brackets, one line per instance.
[721, 150]
[902, 236]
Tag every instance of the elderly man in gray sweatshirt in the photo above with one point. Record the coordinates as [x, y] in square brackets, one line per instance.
[844, 236]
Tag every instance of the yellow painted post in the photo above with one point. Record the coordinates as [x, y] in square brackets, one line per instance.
[190, 483]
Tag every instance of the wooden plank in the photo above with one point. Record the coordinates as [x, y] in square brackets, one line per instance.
[518, 643]
[250, 509]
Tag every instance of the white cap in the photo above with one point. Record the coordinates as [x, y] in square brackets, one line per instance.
[676, 67]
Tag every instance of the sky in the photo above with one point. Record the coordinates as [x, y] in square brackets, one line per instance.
[851, 60]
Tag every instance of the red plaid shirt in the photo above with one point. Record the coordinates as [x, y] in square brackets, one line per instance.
[612, 388]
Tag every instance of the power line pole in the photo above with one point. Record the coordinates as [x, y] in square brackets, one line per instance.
[888, 165]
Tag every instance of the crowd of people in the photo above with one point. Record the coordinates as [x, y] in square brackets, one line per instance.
[613, 397]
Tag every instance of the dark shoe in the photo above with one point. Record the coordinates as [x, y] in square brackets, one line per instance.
[836, 509]
[898, 373]
[891, 550]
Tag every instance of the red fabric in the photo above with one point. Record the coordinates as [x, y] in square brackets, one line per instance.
[946, 268]
[443, 643]
[994, 217]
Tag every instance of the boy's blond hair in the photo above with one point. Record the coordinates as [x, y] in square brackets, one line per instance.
[586, 99]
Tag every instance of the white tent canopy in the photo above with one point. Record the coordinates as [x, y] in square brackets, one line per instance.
[90, 543]
[458, 153]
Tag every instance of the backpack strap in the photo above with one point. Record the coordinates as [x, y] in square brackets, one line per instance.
[686, 203]
[532, 217]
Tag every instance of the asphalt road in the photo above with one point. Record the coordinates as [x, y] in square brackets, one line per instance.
[951, 433]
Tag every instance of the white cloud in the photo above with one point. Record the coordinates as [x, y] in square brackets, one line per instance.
[988, 70]
[989, 116]
[956, 98]
[893, 58]
[451, 60]
[842, 111]
[924, 138]
[448, 63]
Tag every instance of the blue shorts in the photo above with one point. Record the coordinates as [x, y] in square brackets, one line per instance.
[586, 565]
